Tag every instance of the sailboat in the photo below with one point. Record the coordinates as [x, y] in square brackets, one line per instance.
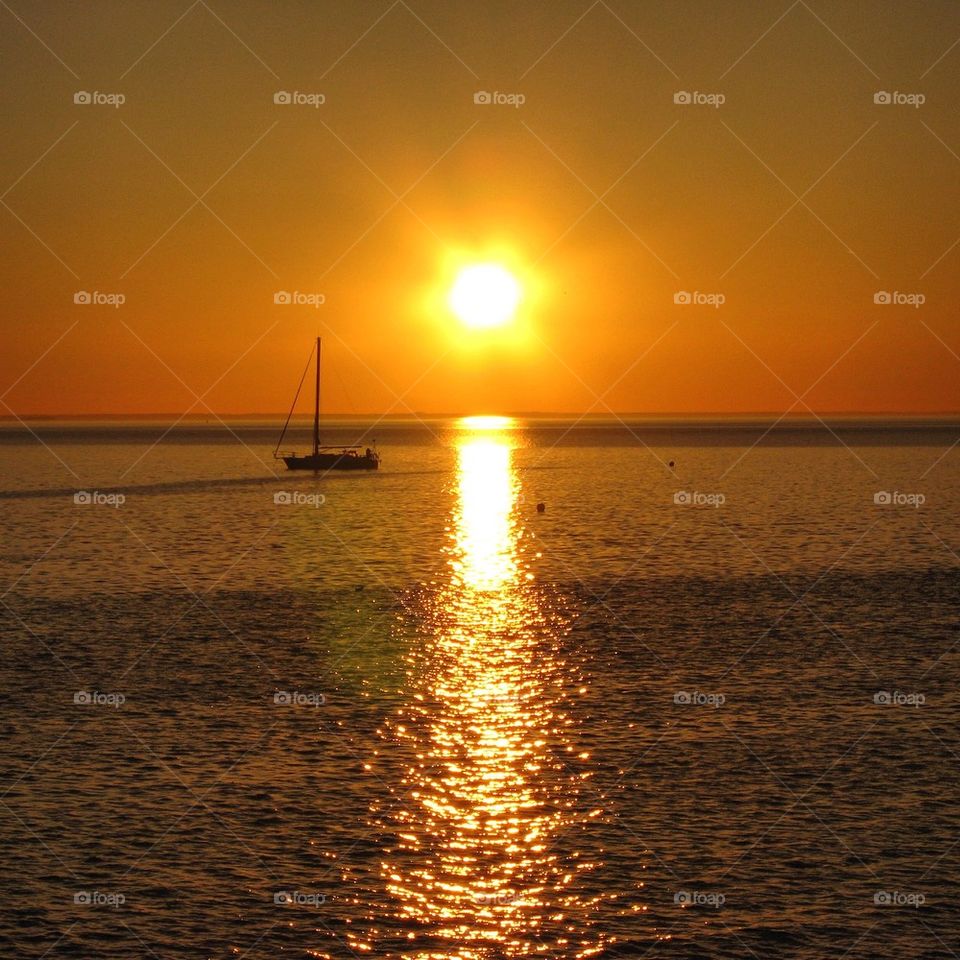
[323, 457]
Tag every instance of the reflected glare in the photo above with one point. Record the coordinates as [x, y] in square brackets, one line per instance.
[483, 861]
[486, 422]
[486, 541]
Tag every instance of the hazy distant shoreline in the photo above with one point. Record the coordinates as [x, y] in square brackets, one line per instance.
[766, 417]
[625, 431]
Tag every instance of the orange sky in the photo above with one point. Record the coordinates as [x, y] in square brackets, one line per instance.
[798, 199]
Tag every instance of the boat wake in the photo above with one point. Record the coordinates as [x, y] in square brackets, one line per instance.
[146, 489]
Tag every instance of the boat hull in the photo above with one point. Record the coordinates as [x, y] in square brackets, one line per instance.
[333, 461]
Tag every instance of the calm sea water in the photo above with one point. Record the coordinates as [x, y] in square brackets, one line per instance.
[703, 705]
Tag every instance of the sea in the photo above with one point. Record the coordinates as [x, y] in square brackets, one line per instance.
[537, 687]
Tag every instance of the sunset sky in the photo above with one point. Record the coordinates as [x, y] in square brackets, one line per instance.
[798, 199]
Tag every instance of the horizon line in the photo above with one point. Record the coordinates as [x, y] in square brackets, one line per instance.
[528, 414]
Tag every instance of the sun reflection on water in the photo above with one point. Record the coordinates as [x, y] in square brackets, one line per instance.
[484, 862]
[486, 537]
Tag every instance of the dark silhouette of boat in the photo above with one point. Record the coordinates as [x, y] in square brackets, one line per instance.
[323, 457]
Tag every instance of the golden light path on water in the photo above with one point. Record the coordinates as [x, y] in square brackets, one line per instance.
[486, 860]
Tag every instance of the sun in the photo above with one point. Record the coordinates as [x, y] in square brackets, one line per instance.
[485, 295]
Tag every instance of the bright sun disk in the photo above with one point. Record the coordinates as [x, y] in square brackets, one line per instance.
[484, 295]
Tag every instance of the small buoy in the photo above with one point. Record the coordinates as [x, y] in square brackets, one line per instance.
[670, 464]
[541, 507]
[358, 587]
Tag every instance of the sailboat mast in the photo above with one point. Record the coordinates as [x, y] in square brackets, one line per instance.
[316, 406]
